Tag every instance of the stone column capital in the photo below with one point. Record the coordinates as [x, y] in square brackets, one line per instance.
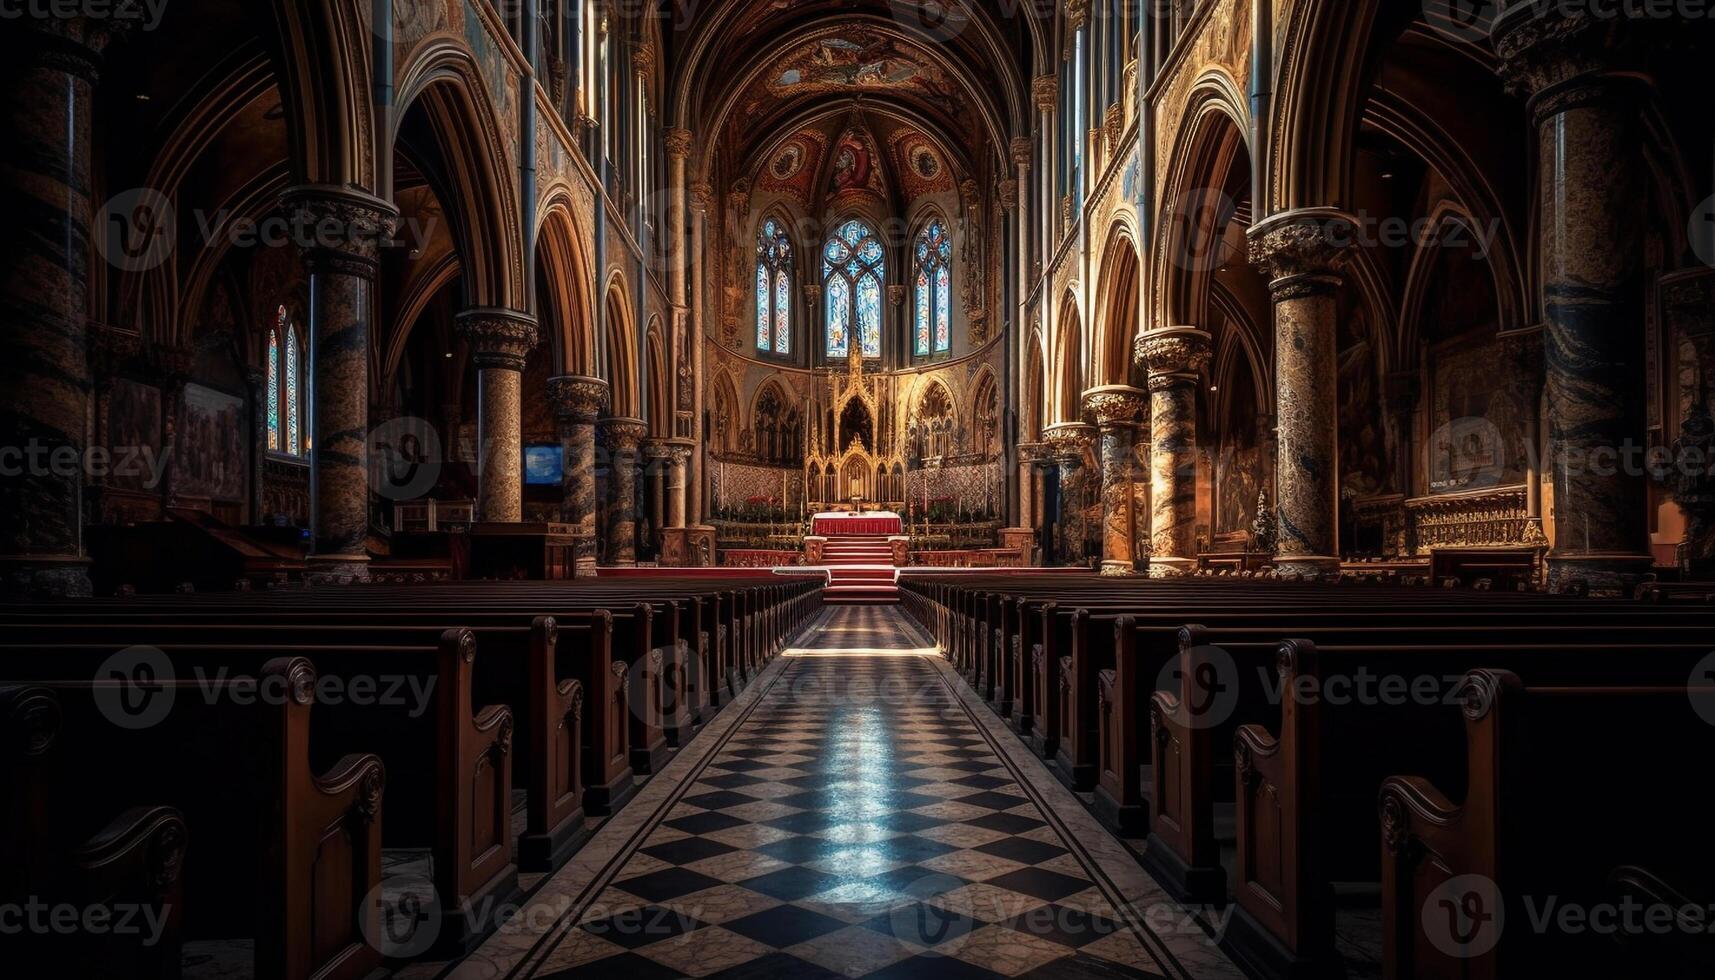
[1557, 57]
[1116, 405]
[1173, 356]
[499, 338]
[680, 451]
[896, 294]
[1045, 91]
[678, 141]
[643, 59]
[624, 434]
[1077, 14]
[1303, 251]
[1022, 149]
[339, 229]
[702, 195]
[812, 292]
[655, 449]
[1007, 193]
[1032, 452]
[1069, 442]
[578, 398]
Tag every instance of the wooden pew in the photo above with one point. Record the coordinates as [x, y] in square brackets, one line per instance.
[1305, 790]
[250, 818]
[1566, 794]
[447, 768]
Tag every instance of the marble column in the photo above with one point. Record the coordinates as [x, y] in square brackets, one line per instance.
[1302, 252]
[343, 262]
[656, 459]
[499, 341]
[1030, 455]
[44, 296]
[679, 453]
[701, 195]
[578, 402]
[1118, 409]
[1174, 358]
[622, 437]
[1523, 349]
[1590, 179]
[1070, 443]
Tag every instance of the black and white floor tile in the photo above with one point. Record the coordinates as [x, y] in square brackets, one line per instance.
[854, 817]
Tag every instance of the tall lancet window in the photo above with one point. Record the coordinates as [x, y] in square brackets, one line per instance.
[773, 289]
[934, 297]
[285, 387]
[853, 269]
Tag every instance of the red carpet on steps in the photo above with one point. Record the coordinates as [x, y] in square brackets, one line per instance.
[860, 570]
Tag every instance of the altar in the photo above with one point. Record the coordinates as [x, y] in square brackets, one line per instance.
[833, 523]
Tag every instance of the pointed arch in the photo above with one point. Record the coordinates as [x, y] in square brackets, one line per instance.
[622, 354]
[446, 84]
[660, 380]
[1069, 361]
[564, 285]
[1035, 390]
[775, 283]
[1117, 304]
[931, 276]
[854, 270]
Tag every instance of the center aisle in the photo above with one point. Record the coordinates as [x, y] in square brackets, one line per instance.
[854, 819]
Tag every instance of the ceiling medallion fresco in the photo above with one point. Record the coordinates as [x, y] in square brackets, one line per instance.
[855, 60]
[792, 169]
[921, 167]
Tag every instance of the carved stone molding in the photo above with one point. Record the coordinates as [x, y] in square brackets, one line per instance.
[1173, 356]
[499, 338]
[1077, 14]
[1557, 58]
[578, 398]
[339, 229]
[702, 195]
[1021, 153]
[896, 295]
[1303, 251]
[623, 434]
[1116, 404]
[678, 141]
[1069, 441]
[1045, 91]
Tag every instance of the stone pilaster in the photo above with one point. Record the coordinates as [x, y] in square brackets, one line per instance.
[1174, 358]
[1302, 252]
[1118, 409]
[500, 340]
[622, 437]
[679, 453]
[578, 402]
[1030, 457]
[1070, 443]
[343, 260]
[44, 296]
[1590, 178]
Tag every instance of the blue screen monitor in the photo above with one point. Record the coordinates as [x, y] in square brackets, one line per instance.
[542, 465]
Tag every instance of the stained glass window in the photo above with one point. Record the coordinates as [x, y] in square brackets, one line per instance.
[274, 389]
[773, 288]
[294, 444]
[285, 370]
[934, 302]
[853, 270]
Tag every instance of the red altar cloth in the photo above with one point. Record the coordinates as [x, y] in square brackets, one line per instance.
[855, 524]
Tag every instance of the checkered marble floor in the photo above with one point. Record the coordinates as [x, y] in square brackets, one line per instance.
[855, 822]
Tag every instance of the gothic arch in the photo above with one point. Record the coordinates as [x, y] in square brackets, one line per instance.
[563, 308]
[1068, 362]
[621, 349]
[1208, 178]
[1117, 303]
[447, 83]
[660, 382]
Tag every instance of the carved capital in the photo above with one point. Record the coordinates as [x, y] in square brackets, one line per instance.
[578, 398]
[1045, 91]
[643, 59]
[623, 434]
[702, 195]
[896, 295]
[1303, 250]
[1022, 150]
[678, 142]
[340, 230]
[1173, 356]
[1069, 441]
[1077, 14]
[1007, 193]
[1032, 452]
[1557, 57]
[499, 338]
[1116, 404]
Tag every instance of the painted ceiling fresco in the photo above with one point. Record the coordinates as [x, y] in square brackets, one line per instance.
[853, 61]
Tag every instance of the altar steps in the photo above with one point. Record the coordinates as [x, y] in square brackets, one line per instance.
[860, 571]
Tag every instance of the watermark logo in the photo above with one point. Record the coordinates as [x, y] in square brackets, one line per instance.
[1701, 688]
[134, 688]
[1464, 917]
[402, 918]
[1207, 680]
[1462, 20]
[135, 231]
[404, 457]
[144, 15]
[919, 921]
[1701, 234]
[936, 20]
